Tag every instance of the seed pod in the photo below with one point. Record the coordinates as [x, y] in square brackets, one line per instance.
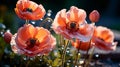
[7, 37]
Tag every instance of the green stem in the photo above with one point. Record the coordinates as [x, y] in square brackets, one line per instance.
[87, 53]
[76, 59]
[90, 57]
[27, 21]
[45, 20]
[64, 54]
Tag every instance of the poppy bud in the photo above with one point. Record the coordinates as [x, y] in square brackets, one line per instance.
[94, 16]
[7, 37]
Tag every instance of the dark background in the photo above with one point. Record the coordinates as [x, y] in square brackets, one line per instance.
[109, 10]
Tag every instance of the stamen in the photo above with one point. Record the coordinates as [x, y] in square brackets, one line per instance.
[31, 43]
[29, 10]
[72, 25]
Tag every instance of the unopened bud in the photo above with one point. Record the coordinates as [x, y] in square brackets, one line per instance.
[7, 37]
[94, 16]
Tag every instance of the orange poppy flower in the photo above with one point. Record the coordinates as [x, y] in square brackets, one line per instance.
[29, 10]
[103, 38]
[33, 41]
[72, 24]
[81, 45]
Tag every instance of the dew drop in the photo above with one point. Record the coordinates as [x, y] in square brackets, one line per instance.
[33, 22]
[49, 13]
[68, 64]
[24, 58]
[31, 58]
[40, 60]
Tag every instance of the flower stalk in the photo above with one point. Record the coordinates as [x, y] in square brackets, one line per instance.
[64, 52]
[77, 57]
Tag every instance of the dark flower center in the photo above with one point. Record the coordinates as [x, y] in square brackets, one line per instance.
[29, 10]
[72, 25]
[101, 39]
[31, 43]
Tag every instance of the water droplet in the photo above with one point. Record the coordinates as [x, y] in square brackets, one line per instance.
[50, 66]
[49, 20]
[38, 55]
[2, 26]
[97, 55]
[32, 58]
[33, 22]
[55, 53]
[68, 63]
[81, 61]
[78, 53]
[76, 66]
[41, 19]
[68, 51]
[2, 33]
[49, 13]
[24, 58]
[40, 59]
[71, 54]
[47, 64]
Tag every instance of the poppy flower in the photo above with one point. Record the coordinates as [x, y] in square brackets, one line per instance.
[32, 41]
[104, 38]
[81, 45]
[72, 24]
[29, 10]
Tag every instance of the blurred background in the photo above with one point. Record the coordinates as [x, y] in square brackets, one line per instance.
[109, 17]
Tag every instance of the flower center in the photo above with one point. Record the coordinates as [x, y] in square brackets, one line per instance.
[101, 39]
[73, 26]
[31, 43]
[29, 10]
